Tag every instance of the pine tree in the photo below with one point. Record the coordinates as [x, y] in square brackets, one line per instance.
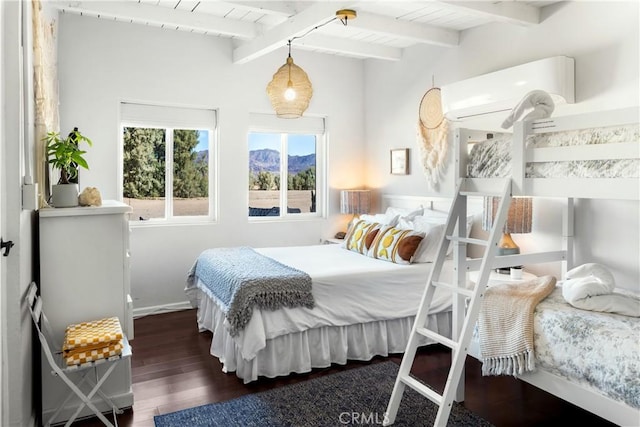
[143, 157]
[189, 173]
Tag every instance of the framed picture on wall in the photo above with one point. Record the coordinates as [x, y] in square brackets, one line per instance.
[400, 161]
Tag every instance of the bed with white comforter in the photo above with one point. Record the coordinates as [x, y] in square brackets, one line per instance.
[363, 307]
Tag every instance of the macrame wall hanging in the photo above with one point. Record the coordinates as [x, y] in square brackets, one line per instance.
[432, 136]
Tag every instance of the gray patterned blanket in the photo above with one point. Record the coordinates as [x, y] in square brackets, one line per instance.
[492, 158]
[241, 279]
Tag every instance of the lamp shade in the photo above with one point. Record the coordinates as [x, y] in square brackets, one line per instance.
[290, 91]
[519, 217]
[355, 201]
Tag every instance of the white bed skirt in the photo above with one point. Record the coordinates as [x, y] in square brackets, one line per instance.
[314, 348]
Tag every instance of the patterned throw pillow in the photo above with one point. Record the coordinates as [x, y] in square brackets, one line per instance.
[395, 245]
[360, 236]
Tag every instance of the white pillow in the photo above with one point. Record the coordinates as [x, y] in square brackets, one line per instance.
[436, 216]
[428, 248]
[432, 227]
[404, 213]
[381, 218]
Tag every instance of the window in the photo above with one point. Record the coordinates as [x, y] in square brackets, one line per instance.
[285, 168]
[166, 162]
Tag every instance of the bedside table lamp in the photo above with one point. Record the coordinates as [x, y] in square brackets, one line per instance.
[355, 202]
[518, 221]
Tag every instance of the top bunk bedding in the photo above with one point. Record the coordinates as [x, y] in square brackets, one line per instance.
[592, 155]
[492, 158]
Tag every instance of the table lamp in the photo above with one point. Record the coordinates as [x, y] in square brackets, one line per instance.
[354, 202]
[519, 220]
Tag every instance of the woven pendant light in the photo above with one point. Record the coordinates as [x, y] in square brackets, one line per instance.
[290, 90]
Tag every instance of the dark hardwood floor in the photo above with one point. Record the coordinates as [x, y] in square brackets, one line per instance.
[172, 370]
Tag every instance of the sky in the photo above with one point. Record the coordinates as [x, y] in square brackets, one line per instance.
[203, 141]
[299, 145]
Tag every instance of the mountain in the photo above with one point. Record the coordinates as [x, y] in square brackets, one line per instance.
[269, 160]
[301, 163]
[202, 156]
[265, 159]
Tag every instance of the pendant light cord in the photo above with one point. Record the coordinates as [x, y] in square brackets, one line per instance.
[310, 30]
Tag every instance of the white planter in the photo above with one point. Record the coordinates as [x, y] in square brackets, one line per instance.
[64, 195]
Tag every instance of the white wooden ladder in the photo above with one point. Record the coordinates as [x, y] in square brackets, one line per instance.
[457, 216]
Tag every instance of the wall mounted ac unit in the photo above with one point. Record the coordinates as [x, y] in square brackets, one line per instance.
[502, 90]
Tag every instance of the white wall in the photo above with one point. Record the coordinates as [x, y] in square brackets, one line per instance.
[103, 62]
[602, 37]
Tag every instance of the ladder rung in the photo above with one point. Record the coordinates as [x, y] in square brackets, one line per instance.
[463, 291]
[469, 240]
[437, 337]
[422, 389]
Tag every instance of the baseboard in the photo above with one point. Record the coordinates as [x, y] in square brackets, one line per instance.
[122, 401]
[158, 309]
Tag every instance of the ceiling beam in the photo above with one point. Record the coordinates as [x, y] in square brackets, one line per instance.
[511, 12]
[144, 13]
[274, 8]
[418, 33]
[348, 47]
[278, 36]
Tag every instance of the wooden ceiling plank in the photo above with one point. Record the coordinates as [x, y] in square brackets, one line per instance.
[278, 36]
[505, 11]
[162, 16]
[347, 47]
[275, 8]
[419, 33]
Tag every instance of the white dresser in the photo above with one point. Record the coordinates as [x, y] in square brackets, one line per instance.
[84, 275]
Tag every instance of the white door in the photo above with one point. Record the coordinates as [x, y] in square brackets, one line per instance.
[4, 414]
[3, 284]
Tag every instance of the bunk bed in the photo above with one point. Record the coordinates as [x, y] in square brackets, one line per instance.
[595, 156]
[363, 307]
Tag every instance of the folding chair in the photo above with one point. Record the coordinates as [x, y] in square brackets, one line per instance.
[63, 371]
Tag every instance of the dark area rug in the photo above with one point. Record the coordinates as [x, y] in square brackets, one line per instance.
[353, 397]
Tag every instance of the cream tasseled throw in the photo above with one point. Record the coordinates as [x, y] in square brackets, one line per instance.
[505, 325]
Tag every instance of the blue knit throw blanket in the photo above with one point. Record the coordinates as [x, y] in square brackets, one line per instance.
[241, 279]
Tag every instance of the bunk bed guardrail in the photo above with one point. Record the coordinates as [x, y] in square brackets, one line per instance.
[626, 188]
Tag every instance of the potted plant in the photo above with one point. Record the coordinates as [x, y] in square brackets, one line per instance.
[65, 155]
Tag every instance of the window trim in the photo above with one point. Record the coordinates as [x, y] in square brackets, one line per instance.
[321, 177]
[141, 122]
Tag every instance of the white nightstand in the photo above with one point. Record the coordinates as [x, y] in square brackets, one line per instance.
[496, 277]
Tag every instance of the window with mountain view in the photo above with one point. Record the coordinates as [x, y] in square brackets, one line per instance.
[166, 170]
[282, 174]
